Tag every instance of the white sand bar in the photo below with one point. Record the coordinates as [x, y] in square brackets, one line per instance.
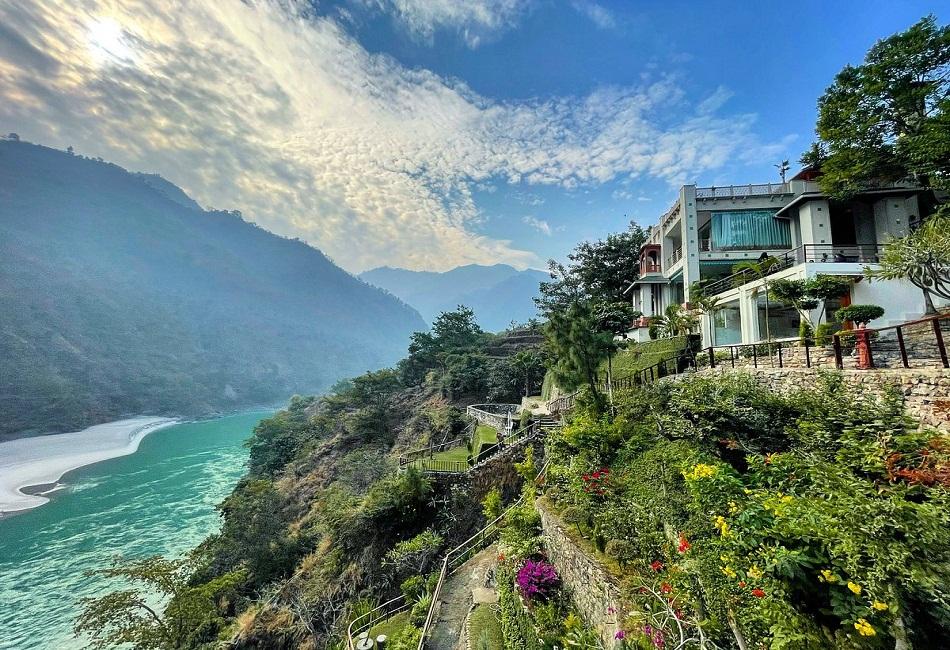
[44, 459]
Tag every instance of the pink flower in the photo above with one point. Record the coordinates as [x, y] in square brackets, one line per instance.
[620, 634]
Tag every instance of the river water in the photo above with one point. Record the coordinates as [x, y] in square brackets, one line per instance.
[159, 500]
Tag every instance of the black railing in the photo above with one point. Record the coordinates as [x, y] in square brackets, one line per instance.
[765, 353]
[809, 253]
[918, 343]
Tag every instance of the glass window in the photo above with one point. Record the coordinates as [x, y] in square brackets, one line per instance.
[750, 229]
[727, 328]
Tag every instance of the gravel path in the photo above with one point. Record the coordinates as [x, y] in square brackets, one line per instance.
[456, 597]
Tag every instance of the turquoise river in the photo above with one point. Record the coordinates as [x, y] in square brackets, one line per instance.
[158, 500]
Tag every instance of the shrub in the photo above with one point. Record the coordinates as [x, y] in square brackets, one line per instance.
[621, 550]
[805, 332]
[537, 580]
[420, 610]
[859, 314]
[491, 505]
[823, 333]
[574, 516]
[412, 588]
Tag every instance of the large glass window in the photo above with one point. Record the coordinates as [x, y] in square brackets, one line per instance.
[783, 321]
[749, 230]
[727, 328]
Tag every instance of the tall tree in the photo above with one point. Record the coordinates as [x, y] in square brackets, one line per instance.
[597, 271]
[578, 347]
[888, 119]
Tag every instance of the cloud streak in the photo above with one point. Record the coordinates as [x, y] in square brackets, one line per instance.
[268, 108]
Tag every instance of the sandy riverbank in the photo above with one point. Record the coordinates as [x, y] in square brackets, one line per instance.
[42, 460]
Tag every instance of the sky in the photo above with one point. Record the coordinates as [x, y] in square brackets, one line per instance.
[427, 134]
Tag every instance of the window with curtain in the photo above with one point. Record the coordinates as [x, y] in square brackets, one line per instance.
[749, 229]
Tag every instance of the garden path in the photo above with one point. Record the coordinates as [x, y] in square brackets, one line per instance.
[456, 599]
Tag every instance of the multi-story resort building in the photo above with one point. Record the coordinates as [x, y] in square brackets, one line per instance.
[708, 230]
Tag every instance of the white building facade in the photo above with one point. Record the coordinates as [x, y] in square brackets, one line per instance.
[708, 230]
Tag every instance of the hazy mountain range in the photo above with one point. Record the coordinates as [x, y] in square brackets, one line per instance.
[498, 294]
[120, 295]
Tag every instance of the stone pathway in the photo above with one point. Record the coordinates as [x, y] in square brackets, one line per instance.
[465, 586]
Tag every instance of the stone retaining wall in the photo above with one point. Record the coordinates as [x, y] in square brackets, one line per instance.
[926, 391]
[593, 590]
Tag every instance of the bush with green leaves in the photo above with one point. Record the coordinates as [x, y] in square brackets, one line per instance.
[859, 314]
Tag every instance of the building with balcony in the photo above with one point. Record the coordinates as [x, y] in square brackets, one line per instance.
[708, 230]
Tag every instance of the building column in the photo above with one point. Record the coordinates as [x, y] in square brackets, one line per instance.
[748, 315]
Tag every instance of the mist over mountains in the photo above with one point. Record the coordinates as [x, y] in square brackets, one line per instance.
[120, 295]
[498, 294]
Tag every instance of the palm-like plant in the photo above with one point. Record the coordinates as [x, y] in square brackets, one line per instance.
[675, 321]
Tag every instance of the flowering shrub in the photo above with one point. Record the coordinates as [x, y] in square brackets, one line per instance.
[597, 482]
[537, 580]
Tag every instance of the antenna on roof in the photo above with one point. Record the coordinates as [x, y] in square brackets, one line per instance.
[782, 168]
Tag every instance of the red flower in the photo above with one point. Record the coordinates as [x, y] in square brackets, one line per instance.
[758, 593]
[684, 544]
[742, 583]
[656, 565]
[605, 470]
[665, 588]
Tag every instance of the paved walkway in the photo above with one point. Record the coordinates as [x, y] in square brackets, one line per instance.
[456, 598]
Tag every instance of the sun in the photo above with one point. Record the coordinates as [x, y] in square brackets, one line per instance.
[108, 42]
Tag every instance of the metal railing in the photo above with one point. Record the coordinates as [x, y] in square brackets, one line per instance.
[919, 342]
[461, 553]
[675, 256]
[808, 253]
[742, 191]
[494, 415]
[422, 459]
[417, 456]
[765, 353]
[563, 404]
[366, 622]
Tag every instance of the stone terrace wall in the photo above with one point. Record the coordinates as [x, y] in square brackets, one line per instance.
[593, 590]
[926, 391]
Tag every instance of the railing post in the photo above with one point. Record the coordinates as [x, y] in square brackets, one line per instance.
[807, 355]
[902, 347]
[755, 357]
[836, 343]
[780, 356]
[938, 334]
[712, 357]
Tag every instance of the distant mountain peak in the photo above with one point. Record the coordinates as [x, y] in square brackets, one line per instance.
[498, 293]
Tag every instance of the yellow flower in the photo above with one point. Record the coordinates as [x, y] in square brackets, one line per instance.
[854, 588]
[755, 572]
[879, 606]
[828, 576]
[701, 470]
[787, 498]
[733, 508]
[728, 572]
[864, 628]
[723, 526]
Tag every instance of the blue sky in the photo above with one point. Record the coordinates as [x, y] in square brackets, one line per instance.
[431, 133]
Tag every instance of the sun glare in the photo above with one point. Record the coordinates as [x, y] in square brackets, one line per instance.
[108, 42]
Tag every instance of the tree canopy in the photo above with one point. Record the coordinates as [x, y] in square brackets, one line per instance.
[888, 119]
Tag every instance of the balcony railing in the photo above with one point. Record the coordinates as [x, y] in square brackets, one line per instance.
[649, 268]
[742, 191]
[675, 256]
[810, 253]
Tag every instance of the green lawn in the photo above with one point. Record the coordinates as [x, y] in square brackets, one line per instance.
[391, 625]
[484, 629]
[638, 356]
[484, 436]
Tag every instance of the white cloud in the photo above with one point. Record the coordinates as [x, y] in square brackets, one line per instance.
[263, 107]
[540, 225]
[473, 20]
[598, 14]
[715, 101]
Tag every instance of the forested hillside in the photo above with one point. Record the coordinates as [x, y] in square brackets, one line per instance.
[119, 295]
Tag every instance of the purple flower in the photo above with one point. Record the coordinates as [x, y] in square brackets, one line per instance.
[537, 580]
[620, 634]
[611, 610]
[658, 640]
[648, 629]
